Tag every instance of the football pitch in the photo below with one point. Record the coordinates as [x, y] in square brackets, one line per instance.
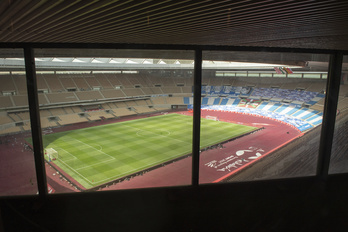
[96, 155]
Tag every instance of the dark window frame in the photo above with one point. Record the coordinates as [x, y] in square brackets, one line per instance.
[330, 107]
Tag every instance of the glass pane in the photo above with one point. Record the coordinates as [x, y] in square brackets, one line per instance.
[17, 168]
[115, 119]
[262, 127]
[339, 154]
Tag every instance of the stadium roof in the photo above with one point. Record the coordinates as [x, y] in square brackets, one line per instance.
[102, 63]
[283, 23]
[291, 24]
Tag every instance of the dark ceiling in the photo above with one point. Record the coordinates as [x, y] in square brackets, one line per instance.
[285, 23]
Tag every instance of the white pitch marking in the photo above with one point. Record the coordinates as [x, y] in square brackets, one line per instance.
[75, 171]
[157, 134]
[93, 165]
[124, 174]
[93, 147]
[68, 153]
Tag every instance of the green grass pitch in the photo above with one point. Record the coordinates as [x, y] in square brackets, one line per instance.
[97, 155]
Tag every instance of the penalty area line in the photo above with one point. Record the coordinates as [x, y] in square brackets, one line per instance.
[72, 169]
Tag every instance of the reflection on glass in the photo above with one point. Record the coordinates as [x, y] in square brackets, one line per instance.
[339, 153]
[115, 119]
[17, 168]
[261, 120]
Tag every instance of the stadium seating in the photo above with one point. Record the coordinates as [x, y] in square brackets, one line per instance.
[98, 115]
[61, 97]
[71, 119]
[5, 101]
[21, 83]
[54, 83]
[104, 82]
[119, 112]
[89, 95]
[285, 102]
[46, 122]
[143, 109]
[6, 84]
[81, 83]
[68, 83]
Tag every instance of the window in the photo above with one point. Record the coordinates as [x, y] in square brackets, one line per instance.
[339, 153]
[103, 137]
[256, 131]
[100, 125]
[17, 168]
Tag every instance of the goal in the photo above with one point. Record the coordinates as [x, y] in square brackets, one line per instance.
[51, 154]
[212, 118]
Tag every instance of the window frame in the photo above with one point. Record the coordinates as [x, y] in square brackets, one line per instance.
[329, 114]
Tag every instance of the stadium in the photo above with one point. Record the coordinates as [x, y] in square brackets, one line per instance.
[181, 131]
[88, 108]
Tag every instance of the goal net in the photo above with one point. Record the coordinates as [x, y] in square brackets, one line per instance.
[51, 154]
[212, 118]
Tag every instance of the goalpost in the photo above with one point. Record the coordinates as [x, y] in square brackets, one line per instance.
[51, 154]
[212, 118]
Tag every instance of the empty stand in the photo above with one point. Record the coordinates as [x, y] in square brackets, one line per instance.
[46, 122]
[167, 82]
[114, 80]
[113, 93]
[148, 91]
[123, 80]
[342, 103]
[53, 83]
[61, 97]
[21, 83]
[143, 109]
[71, 119]
[120, 104]
[92, 81]
[81, 83]
[104, 82]
[175, 100]
[131, 103]
[57, 111]
[89, 95]
[138, 79]
[158, 100]
[5, 101]
[133, 92]
[119, 112]
[317, 87]
[98, 115]
[141, 102]
[10, 130]
[343, 90]
[41, 83]
[14, 117]
[24, 115]
[43, 99]
[170, 90]
[7, 84]
[4, 119]
[20, 100]
[105, 106]
[45, 113]
[216, 81]
[67, 82]
[76, 109]
[69, 110]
